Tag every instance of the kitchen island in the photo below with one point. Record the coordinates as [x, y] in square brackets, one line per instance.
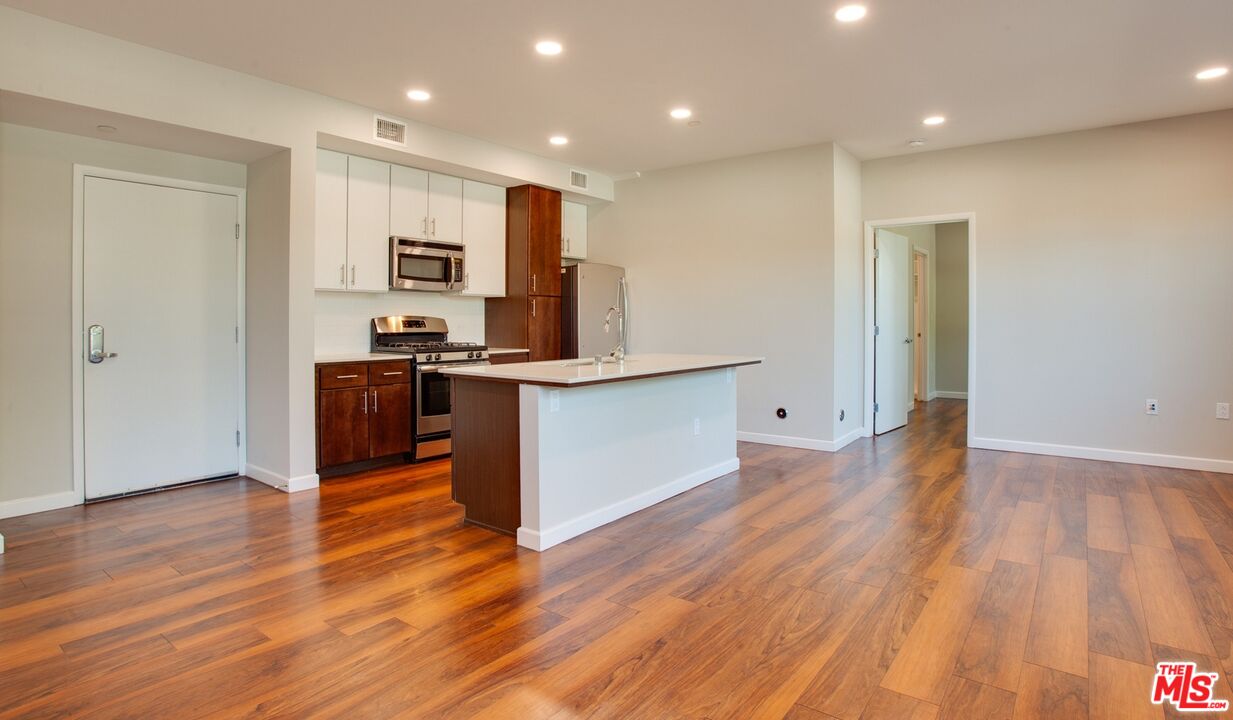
[549, 450]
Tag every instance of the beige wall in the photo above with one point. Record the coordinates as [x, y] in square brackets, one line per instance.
[849, 272]
[736, 256]
[1101, 264]
[950, 299]
[36, 239]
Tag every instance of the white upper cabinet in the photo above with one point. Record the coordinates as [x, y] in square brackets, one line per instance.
[425, 205]
[362, 202]
[483, 235]
[331, 241]
[368, 225]
[409, 202]
[444, 208]
[573, 230]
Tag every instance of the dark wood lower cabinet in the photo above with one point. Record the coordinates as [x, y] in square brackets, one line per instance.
[363, 411]
[544, 331]
[389, 420]
[342, 433]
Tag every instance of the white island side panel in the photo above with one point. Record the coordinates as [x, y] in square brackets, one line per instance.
[609, 450]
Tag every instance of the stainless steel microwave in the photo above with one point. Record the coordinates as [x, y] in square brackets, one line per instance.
[419, 265]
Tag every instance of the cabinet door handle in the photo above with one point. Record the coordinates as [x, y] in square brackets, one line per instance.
[532, 282]
[352, 276]
[425, 226]
[466, 283]
[374, 401]
[345, 377]
[365, 402]
[434, 227]
[532, 307]
[342, 275]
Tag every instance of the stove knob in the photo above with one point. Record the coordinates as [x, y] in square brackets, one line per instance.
[438, 356]
[470, 355]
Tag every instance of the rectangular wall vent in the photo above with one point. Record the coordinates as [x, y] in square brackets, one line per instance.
[578, 179]
[389, 130]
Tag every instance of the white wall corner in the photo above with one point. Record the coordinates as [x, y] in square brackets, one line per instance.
[1089, 453]
[1, 544]
[281, 482]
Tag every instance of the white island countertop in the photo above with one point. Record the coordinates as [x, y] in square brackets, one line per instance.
[571, 373]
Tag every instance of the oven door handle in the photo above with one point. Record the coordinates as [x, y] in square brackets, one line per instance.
[433, 368]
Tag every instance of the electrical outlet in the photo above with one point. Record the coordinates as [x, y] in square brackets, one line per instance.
[697, 426]
[1151, 407]
[554, 400]
[1222, 411]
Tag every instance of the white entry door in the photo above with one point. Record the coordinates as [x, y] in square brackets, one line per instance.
[160, 317]
[892, 342]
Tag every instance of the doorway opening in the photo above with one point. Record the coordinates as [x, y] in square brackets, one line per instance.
[918, 300]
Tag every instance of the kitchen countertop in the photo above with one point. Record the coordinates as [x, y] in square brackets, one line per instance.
[561, 373]
[324, 358]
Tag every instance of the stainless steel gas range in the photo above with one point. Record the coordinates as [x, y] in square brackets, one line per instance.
[426, 340]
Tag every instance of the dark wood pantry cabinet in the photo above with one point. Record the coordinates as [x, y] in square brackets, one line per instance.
[363, 411]
[530, 313]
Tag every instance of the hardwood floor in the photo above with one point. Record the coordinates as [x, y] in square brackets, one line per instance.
[904, 577]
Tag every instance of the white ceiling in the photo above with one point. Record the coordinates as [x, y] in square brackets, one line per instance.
[759, 74]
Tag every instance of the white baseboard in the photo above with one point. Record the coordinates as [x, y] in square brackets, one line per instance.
[947, 394]
[559, 533]
[1122, 456]
[800, 442]
[41, 503]
[281, 482]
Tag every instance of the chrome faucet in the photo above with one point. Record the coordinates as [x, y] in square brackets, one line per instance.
[618, 353]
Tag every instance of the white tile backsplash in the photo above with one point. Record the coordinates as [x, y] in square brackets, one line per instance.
[342, 319]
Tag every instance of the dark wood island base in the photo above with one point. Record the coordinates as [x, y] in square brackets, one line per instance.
[486, 468]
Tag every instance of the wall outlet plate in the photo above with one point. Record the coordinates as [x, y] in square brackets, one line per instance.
[1151, 407]
[697, 426]
[1222, 411]
[554, 400]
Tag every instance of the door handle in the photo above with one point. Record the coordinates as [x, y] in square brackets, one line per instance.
[352, 276]
[532, 307]
[342, 275]
[365, 402]
[425, 226]
[97, 353]
[532, 282]
[374, 401]
[434, 227]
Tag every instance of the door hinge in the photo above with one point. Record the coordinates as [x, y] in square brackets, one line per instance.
[877, 331]
[875, 407]
[237, 438]
[237, 334]
[237, 231]
[875, 253]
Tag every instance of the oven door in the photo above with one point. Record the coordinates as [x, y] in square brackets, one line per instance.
[415, 265]
[432, 405]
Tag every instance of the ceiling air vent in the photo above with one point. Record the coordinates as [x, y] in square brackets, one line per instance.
[578, 179]
[389, 130]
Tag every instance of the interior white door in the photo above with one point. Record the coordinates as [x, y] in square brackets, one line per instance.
[160, 284]
[892, 342]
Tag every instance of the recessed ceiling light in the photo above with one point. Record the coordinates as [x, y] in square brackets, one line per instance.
[558, 140]
[548, 47]
[681, 113]
[850, 13]
[419, 95]
[934, 120]
[1212, 73]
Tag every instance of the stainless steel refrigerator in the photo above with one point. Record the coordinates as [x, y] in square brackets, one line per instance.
[593, 296]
